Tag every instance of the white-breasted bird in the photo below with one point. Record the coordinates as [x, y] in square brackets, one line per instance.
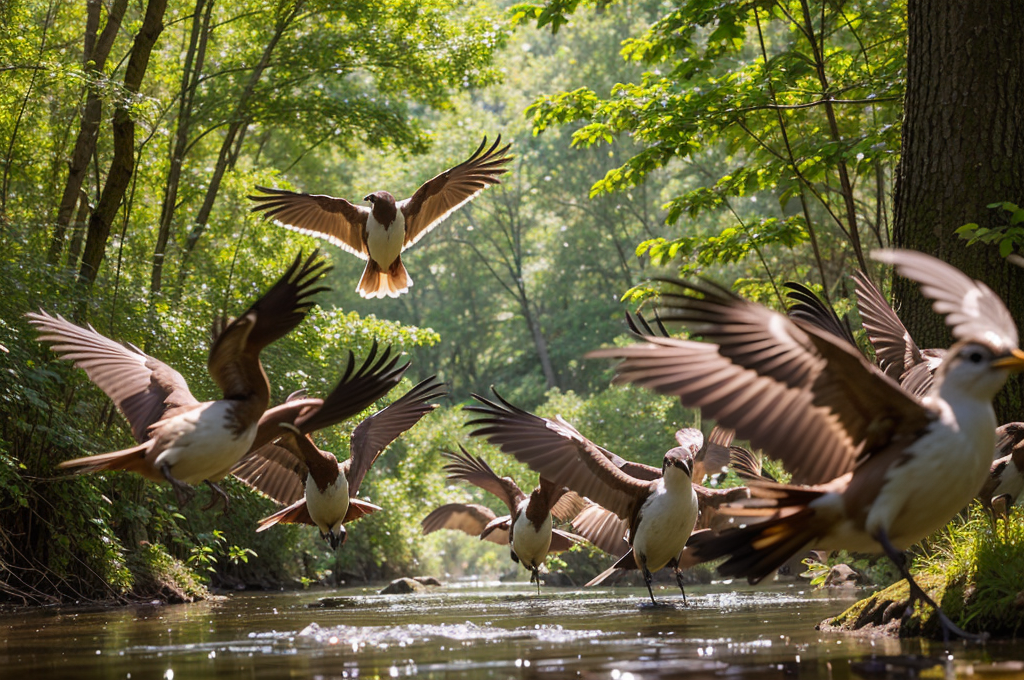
[660, 505]
[315, 487]
[526, 529]
[183, 441]
[379, 234]
[900, 466]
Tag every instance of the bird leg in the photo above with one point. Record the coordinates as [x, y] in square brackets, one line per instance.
[535, 576]
[216, 494]
[182, 491]
[918, 594]
[647, 577]
[679, 580]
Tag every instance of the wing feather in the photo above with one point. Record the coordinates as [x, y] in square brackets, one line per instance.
[333, 219]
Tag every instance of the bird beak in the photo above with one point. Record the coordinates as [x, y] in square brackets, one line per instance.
[686, 465]
[1014, 361]
[368, 198]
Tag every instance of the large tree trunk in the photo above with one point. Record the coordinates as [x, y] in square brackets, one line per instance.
[194, 58]
[123, 164]
[963, 148]
[94, 57]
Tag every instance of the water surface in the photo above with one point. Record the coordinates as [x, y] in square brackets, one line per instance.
[482, 631]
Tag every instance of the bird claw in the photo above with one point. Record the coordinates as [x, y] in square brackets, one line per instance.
[182, 491]
[216, 494]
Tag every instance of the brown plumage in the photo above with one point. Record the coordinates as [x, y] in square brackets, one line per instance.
[368, 233]
[1006, 476]
[317, 488]
[526, 529]
[181, 440]
[897, 467]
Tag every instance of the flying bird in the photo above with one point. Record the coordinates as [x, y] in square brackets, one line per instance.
[379, 234]
[526, 529]
[315, 487]
[899, 467]
[181, 440]
[659, 504]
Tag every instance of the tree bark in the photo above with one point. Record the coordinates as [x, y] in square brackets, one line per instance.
[194, 58]
[123, 163]
[94, 59]
[963, 149]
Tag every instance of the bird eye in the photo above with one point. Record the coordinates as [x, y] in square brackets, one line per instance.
[975, 357]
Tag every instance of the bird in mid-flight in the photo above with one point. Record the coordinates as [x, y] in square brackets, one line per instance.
[380, 233]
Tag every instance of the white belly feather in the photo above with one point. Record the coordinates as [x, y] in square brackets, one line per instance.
[327, 508]
[385, 245]
[667, 520]
[205, 447]
[530, 545]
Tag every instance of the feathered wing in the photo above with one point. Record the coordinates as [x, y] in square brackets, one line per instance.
[142, 388]
[233, 361]
[466, 467]
[895, 350]
[559, 453]
[278, 470]
[562, 541]
[813, 310]
[333, 219]
[468, 518]
[713, 457]
[787, 387]
[603, 528]
[374, 434]
[971, 309]
[439, 197]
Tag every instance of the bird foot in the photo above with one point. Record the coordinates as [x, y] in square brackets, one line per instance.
[679, 581]
[217, 494]
[182, 491]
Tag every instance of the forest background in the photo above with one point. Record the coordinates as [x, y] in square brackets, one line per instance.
[752, 142]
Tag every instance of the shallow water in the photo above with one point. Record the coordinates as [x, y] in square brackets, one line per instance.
[481, 631]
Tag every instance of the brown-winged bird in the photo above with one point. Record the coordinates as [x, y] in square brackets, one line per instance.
[316, 488]
[900, 466]
[379, 234]
[181, 440]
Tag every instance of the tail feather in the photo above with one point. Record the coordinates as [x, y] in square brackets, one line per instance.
[627, 561]
[379, 283]
[132, 460]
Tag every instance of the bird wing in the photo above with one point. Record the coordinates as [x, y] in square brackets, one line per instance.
[466, 517]
[895, 350]
[603, 528]
[569, 505]
[466, 467]
[789, 388]
[234, 357]
[332, 219]
[713, 457]
[279, 470]
[633, 469]
[971, 309]
[438, 198]
[562, 541]
[559, 453]
[374, 434]
[142, 388]
[811, 309]
[640, 326]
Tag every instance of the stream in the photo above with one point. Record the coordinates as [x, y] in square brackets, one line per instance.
[482, 630]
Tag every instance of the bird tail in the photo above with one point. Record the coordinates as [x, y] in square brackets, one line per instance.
[296, 513]
[132, 460]
[379, 283]
[627, 561]
[759, 549]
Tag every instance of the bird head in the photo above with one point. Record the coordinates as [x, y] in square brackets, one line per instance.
[978, 368]
[382, 196]
[680, 458]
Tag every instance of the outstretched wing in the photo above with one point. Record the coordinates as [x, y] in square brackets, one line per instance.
[142, 388]
[469, 518]
[558, 452]
[438, 198]
[332, 219]
[811, 309]
[374, 434]
[474, 470]
[278, 470]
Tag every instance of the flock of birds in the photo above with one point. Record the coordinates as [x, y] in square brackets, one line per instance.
[881, 455]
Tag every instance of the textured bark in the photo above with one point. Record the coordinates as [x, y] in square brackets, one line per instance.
[94, 58]
[963, 148]
[123, 163]
[194, 58]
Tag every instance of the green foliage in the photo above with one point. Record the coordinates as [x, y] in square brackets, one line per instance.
[1009, 238]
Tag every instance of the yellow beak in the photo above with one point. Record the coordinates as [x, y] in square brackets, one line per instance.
[1013, 361]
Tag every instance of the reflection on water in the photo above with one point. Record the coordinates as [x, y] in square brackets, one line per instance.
[483, 631]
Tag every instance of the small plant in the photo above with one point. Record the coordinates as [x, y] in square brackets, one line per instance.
[1009, 238]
